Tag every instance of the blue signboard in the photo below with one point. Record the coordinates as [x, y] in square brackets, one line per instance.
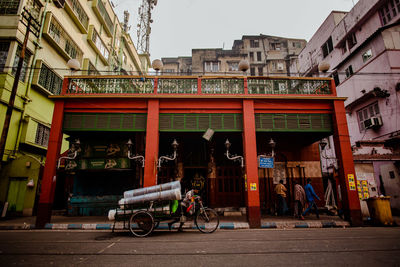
[266, 162]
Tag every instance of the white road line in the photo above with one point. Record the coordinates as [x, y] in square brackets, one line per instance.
[109, 246]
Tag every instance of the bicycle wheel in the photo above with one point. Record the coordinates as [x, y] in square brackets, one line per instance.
[206, 220]
[141, 223]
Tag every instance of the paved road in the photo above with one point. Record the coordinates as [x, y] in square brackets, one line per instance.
[328, 247]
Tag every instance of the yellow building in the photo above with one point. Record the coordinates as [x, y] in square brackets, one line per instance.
[83, 33]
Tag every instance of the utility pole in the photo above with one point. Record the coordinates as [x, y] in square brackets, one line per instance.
[33, 25]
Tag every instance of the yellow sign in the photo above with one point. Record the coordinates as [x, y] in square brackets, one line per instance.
[253, 186]
[352, 184]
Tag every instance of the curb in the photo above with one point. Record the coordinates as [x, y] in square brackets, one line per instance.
[164, 226]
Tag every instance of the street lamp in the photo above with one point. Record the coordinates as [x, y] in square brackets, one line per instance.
[72, 153]
[166, 158]
[322, 145]
[234, 157]
[157, 65]
[243, 65]
[272, 145]
[130, 156]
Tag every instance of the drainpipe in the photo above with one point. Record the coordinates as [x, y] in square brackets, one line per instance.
[29, 85]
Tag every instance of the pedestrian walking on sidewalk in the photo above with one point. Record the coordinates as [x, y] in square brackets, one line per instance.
[310, 194]
[280, 191]
[299, 200]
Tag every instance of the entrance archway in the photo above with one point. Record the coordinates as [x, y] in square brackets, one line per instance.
[223, 178]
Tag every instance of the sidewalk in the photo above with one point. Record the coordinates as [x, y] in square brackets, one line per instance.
[226, 222]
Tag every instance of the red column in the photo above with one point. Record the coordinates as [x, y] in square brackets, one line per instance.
[251, 167]
[49, 173]
[347, 177]
[151, 156]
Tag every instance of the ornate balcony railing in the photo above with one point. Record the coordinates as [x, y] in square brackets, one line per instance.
[288, 86]
[110, 86]
[222, 86]
[177, 86]
[198, 85]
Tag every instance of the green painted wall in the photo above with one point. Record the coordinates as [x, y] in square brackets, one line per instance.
[19, 168]
[39, 109]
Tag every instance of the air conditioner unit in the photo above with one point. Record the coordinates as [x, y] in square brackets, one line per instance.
[373, 122]
[59, 3]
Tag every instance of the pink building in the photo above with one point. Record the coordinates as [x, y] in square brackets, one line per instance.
[360, 49]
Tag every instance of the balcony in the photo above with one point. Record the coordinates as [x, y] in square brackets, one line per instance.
[102, 14]
[60, 39]
[98, 45]
[252, 87]
[78, 15]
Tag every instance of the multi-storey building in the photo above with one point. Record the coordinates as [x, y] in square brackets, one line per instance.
[179, 65]
[361, 51]
[87, 31]
[267, 56]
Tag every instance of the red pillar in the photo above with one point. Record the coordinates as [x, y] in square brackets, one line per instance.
[347, 177]
[151, 156]
[49, 173]
[251, 167]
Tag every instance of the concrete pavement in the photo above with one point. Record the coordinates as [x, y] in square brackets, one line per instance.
[226, 222]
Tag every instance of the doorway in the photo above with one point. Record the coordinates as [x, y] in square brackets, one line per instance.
[16, 194]
[223, 178]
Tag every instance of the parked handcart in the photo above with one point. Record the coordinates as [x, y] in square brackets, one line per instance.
[142, 210]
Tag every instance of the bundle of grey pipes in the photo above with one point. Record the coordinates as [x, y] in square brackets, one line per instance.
[167, 191]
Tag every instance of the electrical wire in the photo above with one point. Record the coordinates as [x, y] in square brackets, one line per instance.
[208, 73]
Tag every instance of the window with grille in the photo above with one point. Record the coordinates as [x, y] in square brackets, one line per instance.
[211, 66]
[335, 77]
[389, 11]
[258, 56]
[366, 113]
[24, 64]
[42, 135]
[275, 46]
[254, 43]
[367, 55]
[9, 7]
[50, 80]
[352, 40]
[260, 71]
[349, 71]
[100, 44]
[233, 66]
[92, 69]
[327, 47]
[4, 46]
[251, 55]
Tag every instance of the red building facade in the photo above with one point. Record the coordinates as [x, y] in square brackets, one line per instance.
[153, 112]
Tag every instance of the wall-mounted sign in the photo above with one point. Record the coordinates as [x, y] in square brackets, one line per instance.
[352, 184]
[208, 134]
[118, 163]
[253, 186]
[266, 162]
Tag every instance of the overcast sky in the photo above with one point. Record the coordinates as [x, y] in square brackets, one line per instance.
[180, 25]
